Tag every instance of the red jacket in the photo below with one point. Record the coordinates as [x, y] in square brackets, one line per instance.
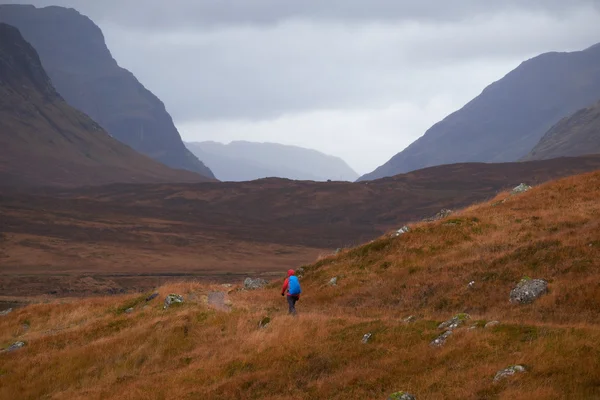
[286, 283]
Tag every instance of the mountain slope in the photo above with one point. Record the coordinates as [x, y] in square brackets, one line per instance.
[75, 56]
[509, 117]
[576, 135]
[245, 161]
[44, 141]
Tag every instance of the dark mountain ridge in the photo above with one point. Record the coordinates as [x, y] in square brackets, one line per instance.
[509, 117]
[74, 54]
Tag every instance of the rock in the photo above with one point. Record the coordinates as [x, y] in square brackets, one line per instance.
[409, 319]
[401, 396]
[227, 285]
[522, 188]
[401, 231]
[173, 299]
[366, 338]
[338, 251]
[15, 346]
[492, 324]
[471, 284]
[254, 284]
[528, 290]
[264, 322]
[440, 215]
[333, 281]
[152, 297]
[217, 300]
[441, 340]
[454, 322]
[510, 371]
[129, 311]
[5, 312]
[300, 272]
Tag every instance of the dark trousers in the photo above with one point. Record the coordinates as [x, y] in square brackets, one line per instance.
[292, 304]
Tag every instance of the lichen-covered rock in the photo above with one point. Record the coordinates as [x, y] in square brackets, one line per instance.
[264, 322]
[454, 322]
[401, 231]
[492, 324]
[528, 290]
[441, 340]
[510, 371]
[173, 299]
[333, 281]
[401, 396]
[440, 215]
[15, 346]
[5, 312]
[522, 188]
[366, 338]
[254, 284]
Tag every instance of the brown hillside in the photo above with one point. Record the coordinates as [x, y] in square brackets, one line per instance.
[135, 236]
[43, 141]
[92, 349]
[576, 135]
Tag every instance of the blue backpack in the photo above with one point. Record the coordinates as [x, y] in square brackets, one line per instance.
[294, 286]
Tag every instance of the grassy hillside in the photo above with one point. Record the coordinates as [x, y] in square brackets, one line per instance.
[91, 349]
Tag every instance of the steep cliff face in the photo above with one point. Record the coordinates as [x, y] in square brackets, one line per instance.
[508, 119]
[44, 141]
[75, 56]
[576, 135]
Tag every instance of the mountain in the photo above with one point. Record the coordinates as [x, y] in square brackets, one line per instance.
[44, 141]
[82, 69]
[246, 161]
[576, 135]
[509, 117]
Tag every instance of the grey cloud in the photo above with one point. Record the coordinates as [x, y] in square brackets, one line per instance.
[208, 13]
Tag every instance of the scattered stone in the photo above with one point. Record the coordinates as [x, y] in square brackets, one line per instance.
[13, 347]
[528, 290]
[300, 272]
[510, 371]
[151, 297]
[217, 300]
[173, 299]
[129, 310]
[402, 231]
[409, 319]
[471, 284]
[333, 281]
[441, 340]
[440, 215]
[263, 323]
[5, 312]
[492, 324]
[227, 285]
[366, 338]
[401, 396]
[454, 322]
[522, 188]
[254, 284]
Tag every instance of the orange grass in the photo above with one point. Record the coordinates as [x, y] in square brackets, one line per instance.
[90, 349]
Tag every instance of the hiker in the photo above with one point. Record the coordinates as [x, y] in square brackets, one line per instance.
[292, 285]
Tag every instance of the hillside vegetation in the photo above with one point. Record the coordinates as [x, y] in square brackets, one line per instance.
[467, 262]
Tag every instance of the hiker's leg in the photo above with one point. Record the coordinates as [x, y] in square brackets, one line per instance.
[291, 302]
[294, 300]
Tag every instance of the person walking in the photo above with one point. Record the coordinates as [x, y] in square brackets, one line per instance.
[292, 286]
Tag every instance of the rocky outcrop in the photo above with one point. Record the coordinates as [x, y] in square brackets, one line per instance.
[254, 284]
[508, 372]
[173, 299]
[455, 322]
[528, 290]
[401, 396]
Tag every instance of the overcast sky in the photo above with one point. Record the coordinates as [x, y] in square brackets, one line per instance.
[359, 79]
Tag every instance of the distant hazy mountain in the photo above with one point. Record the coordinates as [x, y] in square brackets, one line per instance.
[83, 71]
[507, 120]
[576, 135]
[44, 141]
[244, 161]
